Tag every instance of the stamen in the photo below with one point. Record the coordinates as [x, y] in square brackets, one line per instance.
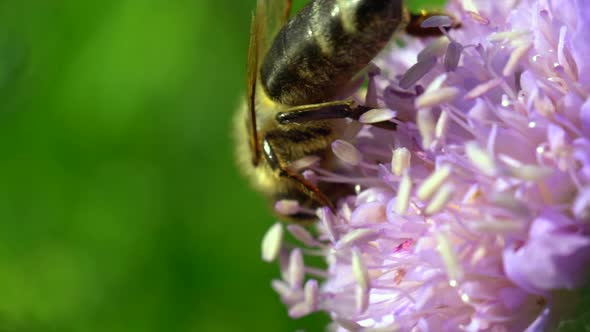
[359, 269]
[437, 21]
[426, 126]
[515, 59]
[287, 207]
[362, 299]
[285, 291]
[507, 35]
[441, 198]
[483, 88]
[327, 219]
[400, 161]
[304, 163]
[436, 83]
[416, 72]
[481, 159]
[442, 125]
[478, 18]
[433, 182]
[299, 310]
[296, 269]
[357, 235]
[302, 235]
[449, 257]
[509, 203]
[435, 49]
[452, 56]
[469, 5]
[496, 226]
[311, 294]
[531, 173]
[272, 242]
[434, 98]
[346, 152]
[377, 115]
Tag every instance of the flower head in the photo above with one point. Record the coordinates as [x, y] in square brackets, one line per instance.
[474, 214]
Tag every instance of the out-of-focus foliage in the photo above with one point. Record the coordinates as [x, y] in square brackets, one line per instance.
[120, 205]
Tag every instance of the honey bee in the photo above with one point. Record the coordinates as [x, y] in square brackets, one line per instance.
[295, 78]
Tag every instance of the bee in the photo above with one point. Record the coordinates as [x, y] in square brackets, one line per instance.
[295, 79]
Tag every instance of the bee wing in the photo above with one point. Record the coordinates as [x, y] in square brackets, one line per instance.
[277, 14]
[257, 32]
[267, 20]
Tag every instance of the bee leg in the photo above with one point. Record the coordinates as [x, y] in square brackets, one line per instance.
[304, 185]
[328, 111]
[314, 112]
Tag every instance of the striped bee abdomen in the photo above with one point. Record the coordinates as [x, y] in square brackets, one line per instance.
[294, 143]
[324, 46]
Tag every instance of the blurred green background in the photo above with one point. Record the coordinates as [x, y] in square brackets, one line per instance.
[120, 206]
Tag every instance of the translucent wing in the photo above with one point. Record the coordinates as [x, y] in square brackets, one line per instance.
[267, 20]
[277, 14]
[254, 54]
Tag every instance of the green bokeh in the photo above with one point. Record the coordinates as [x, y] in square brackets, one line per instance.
[120, 206]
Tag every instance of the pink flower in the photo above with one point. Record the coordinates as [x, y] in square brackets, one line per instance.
[475, 214]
